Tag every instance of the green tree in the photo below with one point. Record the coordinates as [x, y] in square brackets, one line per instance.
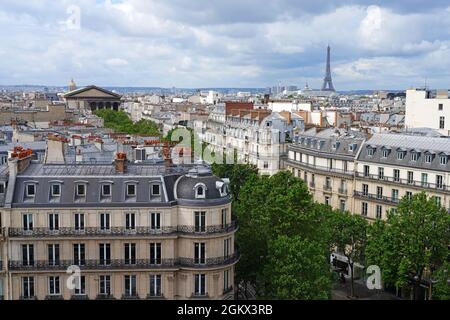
[237, 173]
[119, 121]
[413, 240]
[349, 235]
[441, 288]
[270, 207]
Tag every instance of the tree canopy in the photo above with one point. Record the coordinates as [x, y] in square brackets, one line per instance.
[119, 121]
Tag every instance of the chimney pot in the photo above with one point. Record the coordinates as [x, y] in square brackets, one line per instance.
[121, 162]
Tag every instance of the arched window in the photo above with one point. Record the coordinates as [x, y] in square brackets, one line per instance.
[200, 191]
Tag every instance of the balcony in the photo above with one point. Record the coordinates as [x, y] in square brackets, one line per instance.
[105, 297]
[375, 197]
[327, 188]
[122, 231]
[79, 297]
[407, 182]
[342, 191]
[123, 264]
[320, 169]
[54, 297]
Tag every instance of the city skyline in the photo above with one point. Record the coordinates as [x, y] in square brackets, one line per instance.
[225, 44]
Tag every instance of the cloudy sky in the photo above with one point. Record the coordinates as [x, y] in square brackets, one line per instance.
[225, 43]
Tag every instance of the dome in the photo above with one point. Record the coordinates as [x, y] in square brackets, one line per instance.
[201, 186]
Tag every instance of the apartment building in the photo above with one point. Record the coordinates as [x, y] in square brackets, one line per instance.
[135, 231]
[391, 166]
[258, 136]
[325, 160]
[368, 175]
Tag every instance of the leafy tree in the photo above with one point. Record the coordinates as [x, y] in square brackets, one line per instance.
[297, 269]
[349, 234]
[237, 173]
[270, 207]
[441, 288]
[414, 239]
[120, 122]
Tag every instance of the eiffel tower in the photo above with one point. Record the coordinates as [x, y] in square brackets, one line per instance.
[327, 82]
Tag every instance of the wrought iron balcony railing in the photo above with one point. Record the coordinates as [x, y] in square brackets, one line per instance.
[376, 197]
[122, 231]
[406, 182]
[342, 190]
[62, 265]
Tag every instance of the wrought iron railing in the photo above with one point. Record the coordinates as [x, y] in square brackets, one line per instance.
[123, 264]
[406, 182]
[376, 197]
[122, 231]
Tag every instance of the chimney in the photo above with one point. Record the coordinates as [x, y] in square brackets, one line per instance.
[19, 160]
[78, 155]
[55, 150]
[121, 162]
[99, 144]
[166, 154]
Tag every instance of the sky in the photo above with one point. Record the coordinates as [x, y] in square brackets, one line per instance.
[225, 43]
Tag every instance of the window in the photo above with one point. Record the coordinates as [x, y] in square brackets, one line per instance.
[53, 221]
[28, 287]
[366, 170]
[155, 285]
[27, 220]
[155, 221]
[305, 177]
[56, 190]
[443, 160]
[200, 284]
[370, 152]
[27, 255]
[327, 200]
[379, 192]
[79, 221]
[226, 247]
[130, 253]
[81, 190]
[226, 280]
[200, 191]
[428, 158]
[105, 254]
[396, 175]
[200, 221]
[364, 209]
[437, 200]
[224, 217]
[130, 221]
[414, 156]
[441, 122]
[131, 190]
[400, 155]
[342, 205]
[385, 153]
[80, 289]
[53, 254]
[30, 190]
[440, 106]
[53, 285]
[199, 253]
[155, 253]
[424, 180]
[130, 286]
[408, 195]
[439, 182]
[79, 254]
[380, 173]
[105, 221]
[156, 190]
[105, 285]
[410, 176]
[328, 183]
[2, 188]
[379, 212]
[106, 190]
[365, 189]
[394, 194]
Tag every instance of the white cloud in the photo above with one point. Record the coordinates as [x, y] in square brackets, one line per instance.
[116, 62]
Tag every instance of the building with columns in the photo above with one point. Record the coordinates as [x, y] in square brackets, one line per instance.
[92, 98]
[135, 231]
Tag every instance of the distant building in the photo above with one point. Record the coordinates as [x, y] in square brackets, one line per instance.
[428, 109]
[92, 98]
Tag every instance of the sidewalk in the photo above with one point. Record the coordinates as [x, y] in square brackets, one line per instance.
[342, 291]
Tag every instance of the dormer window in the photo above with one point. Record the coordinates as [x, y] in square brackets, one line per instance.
[370, 152]
[155, 190]
[131, 190]
[414, 156]
[81, 190]
[2, 187]
[106, 190]
[200, 191]
[400, 155]
[56, 190]
[30, 190]
[443, 160]
[385, 153]
[428, 158]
